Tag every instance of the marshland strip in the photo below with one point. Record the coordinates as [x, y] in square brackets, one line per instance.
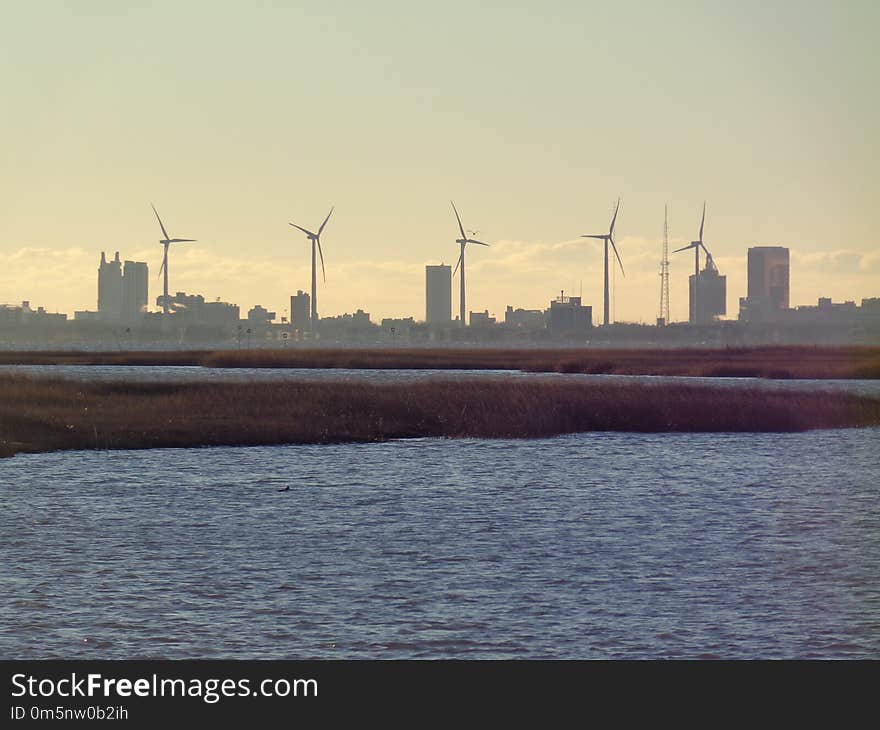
[40, 414]
[760, 362]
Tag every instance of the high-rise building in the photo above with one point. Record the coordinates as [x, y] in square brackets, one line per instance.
[110, 288]
[768, 290]
[711, 292]
[135, 290]
[438, 294]
[300, 313]
[769, 276]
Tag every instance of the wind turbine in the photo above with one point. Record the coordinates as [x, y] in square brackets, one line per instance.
[166, 242]
[609, 238]
[696, 245]
[463, 242]
[315, 238]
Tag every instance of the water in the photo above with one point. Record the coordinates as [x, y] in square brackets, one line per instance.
[150, 373]
[587, 546]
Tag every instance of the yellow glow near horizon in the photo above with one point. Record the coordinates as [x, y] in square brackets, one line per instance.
[235, 118]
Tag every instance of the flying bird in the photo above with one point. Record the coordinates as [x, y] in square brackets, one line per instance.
[463, 242]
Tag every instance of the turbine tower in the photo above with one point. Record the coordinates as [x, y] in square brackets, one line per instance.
[166, 242]
[696, 245]
[463, 242]
[664, 270]
[609, 238]
[315, 238]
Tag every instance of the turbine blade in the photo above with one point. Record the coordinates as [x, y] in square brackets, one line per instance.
[471, 240]
[321, 229]
[702, 221]
[164, 262]
[601, 238]
[304, 230]
[164, 232]
[321, 254]
[458, 263]
[618, 256]
[182, 240]
[684, 248]
[611, 230]
[458, 218]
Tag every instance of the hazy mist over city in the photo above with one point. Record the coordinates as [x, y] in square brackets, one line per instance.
[236, 118]
[449, 331]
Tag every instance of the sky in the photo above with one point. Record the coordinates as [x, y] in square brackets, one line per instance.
[235, 118]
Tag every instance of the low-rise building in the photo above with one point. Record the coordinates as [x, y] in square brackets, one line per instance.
[567, 317]
[481, 319]
[525, 319]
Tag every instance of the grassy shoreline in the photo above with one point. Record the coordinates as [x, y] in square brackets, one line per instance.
[761, 362]
[49, 414]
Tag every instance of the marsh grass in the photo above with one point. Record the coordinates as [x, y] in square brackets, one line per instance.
[755, 362]
[45, 414]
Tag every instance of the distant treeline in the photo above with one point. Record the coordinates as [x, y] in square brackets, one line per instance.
[759, 362]
[49, 414]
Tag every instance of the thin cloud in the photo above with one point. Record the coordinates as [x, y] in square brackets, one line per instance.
[842, 260]
[520, 273]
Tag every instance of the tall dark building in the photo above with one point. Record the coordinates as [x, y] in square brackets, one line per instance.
[768, 291]
[110, 288]
[135, 290]
[769, 276]
[122, 291]
[711, 294]
[438, 294]
[300, 313]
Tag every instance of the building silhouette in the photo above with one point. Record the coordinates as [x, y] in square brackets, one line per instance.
[481, 319]
[110, 288]
[828, 312]
[353, 327]
[397, 328]
[300, 313]
[259, 316]
[768, 286]
[135, 290]
[527, 319]
[122, 290]
[192, 309]
[710, 292]
[567, 317]
[24, 315]
[438, 294]
[769, 275]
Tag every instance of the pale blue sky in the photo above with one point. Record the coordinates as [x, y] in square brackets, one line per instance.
[234, 118]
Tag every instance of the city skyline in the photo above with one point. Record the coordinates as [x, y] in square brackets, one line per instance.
[562, 250]
[761, 110]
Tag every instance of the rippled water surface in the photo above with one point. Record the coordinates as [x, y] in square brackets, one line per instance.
[586, 546]
[153, 373]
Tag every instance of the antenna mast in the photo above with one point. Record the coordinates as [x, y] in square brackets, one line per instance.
[664, 270]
